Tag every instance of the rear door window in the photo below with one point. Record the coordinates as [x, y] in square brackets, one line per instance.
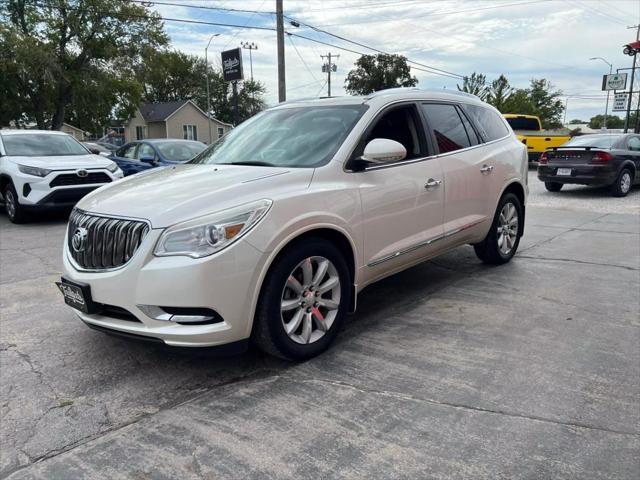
[447, 126]
[489, 123]
[634, 143]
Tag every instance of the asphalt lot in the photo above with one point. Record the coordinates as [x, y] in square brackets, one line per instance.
[449, 370]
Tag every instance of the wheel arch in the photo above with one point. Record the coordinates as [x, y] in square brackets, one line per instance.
[330, 233]
[4, 181]
[631, 166]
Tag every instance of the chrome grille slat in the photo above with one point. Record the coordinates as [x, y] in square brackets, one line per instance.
[110, 242]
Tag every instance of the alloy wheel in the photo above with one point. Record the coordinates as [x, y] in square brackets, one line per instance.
[10, 203]
[310, 300]
[507, 228]
[625, 182]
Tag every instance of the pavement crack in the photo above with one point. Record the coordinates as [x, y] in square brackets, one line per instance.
[460, 406]
[583, 262]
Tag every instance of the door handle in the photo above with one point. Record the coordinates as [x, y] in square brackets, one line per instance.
[431, 183]
[486, 168]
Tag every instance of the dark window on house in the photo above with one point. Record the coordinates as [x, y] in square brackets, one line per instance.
[489, 123]
[447, 127]
[220, 132]
[141, 132]
[190, 132]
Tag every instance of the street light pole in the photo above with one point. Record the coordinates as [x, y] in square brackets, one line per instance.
[606, 108]
[206, 61]
[251, 47]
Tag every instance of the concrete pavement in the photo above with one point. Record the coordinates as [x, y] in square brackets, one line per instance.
[451, 369]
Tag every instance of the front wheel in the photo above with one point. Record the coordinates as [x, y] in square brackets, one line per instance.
[553, 186]
[15, 211]
[622, 185]
[303, 301]
[501, 243]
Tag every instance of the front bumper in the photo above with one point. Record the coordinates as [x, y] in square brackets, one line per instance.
[224, 282]
[580, 174]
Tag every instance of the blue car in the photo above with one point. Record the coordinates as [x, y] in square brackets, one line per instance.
[141, 155]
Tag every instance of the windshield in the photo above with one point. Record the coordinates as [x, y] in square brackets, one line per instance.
[287, 137]
[523, 123]
[41, 145]
[599, 141]
[180, 151]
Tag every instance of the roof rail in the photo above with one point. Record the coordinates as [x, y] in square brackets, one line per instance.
[398, 90]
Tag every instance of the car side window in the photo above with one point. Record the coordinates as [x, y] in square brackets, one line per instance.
[401, 124]
[128, 151]
[490, 124]
[471, 133]
[634, 144]
[447, 126]
[145, 151]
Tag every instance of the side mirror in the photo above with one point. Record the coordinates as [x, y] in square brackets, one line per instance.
[150, 160]
[95, 151]
[383, 150]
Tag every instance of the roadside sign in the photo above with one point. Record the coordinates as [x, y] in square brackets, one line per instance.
[232, 65]
[615, 81]
[620, 102]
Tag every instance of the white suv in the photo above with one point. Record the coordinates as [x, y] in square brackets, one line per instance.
[271, 232]
[43, 169]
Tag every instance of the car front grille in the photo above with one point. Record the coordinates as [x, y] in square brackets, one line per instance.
[97, 242]
[66, 179]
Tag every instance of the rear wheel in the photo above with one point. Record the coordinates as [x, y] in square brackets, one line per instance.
[15, 211]
[553, 186]
[623, 183]
[303, 301]
[501, 243]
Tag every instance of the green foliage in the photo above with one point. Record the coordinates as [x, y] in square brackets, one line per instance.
[499, 92]
[66, 60]
[613, 121]
[476, 84]
[576, 121]
[378, 72]
[546, 102]
[169, 75]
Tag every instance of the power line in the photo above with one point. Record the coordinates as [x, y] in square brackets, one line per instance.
[302, 59]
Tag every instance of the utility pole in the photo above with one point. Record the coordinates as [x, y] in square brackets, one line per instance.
[329, 67]
[282, 87]
[633, 71]
[250, 46]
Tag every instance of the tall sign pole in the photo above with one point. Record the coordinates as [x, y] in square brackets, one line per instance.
[632, 49]
[328, 68]
[282, 88]
[232, 72]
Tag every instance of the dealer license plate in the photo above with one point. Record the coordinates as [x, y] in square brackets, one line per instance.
[564, 171]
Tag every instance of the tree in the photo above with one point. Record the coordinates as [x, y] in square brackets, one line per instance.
[519, 102]
[499, 92]
[476, 85]
[61, 51]
[169, 75]
[546, 102]
[377, 72]
[613, 121]
[576, 121]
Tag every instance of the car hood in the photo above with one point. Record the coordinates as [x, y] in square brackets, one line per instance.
[63, 162]
[169, 195]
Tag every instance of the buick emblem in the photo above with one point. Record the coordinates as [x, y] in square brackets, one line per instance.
[82, 173]
[79, 239]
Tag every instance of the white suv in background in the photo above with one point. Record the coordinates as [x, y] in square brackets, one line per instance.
[271, 232]
[42, 169]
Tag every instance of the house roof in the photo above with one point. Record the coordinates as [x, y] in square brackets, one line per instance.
[159, 112]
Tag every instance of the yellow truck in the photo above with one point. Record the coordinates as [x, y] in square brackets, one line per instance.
[529, 131]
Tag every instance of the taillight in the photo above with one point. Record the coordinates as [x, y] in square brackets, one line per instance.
[543, 160]
[600, 157]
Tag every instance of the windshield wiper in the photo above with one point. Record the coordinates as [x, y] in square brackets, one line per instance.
[255, 163]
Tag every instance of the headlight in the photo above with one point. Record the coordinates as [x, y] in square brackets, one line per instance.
[113, 167]
[209, 234]
[35, 171]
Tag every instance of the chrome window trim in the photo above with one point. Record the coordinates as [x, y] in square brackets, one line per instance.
[424, 243]
[110, 269]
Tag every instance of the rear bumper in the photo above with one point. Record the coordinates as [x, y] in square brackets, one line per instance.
[580, 174]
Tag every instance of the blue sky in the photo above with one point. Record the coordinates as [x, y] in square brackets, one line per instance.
[522, 39]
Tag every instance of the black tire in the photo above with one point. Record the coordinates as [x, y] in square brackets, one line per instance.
[15, 212]
[623, 183]
[269, 331]
[488, 250]
[553, 186]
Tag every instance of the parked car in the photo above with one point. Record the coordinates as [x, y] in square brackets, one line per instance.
[141, 155]
[97, 149]
[529, 131]
[271, 233]
[43, 169]
[611, 160]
